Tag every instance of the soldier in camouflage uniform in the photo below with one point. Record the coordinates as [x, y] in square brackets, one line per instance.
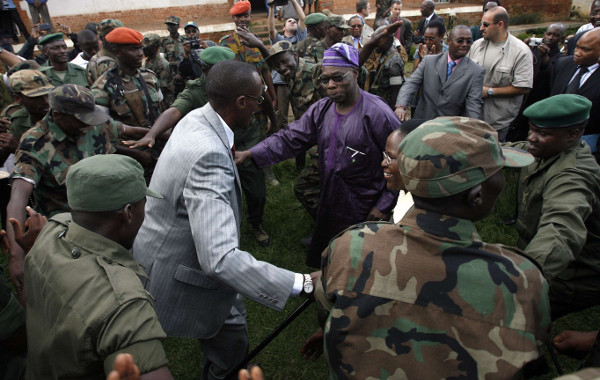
[559, 202]
[132, 95]
[159, 66]
[105, 58]
[426, 298]
[252, 178]
[75, 128]
[59, 70]
[384, 65]
[172, 45]
[30, 88]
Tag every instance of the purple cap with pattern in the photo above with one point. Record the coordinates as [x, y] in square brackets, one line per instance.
[341, 55]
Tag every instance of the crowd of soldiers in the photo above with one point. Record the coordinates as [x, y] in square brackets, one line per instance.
[406, 288]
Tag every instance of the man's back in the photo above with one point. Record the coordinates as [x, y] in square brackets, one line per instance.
[86, 304]
[478, 310]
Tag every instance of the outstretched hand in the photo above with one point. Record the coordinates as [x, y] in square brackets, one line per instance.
[33, 225]
[313, 346]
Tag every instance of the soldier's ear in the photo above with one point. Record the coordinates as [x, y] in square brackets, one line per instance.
[474, 196]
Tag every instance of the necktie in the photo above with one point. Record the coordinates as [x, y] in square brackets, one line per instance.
[574, 85]
[451, 64]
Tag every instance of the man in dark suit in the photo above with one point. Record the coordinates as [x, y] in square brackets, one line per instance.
[451, 82]
[429, 15]
[405, 33]
[579, 74]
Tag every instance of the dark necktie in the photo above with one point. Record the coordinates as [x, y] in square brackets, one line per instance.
[574, 85]
[451, 64]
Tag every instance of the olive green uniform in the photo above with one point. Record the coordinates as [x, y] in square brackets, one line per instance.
[312, 49]
[46, 153]
[385, 75]
[74, 75]
[85, 305]
[192, 97]
[559, 225]
[20, 122]
[161, 68]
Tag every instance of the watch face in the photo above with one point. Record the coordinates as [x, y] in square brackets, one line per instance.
[308, 287]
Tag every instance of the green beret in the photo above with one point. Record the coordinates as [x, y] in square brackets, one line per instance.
[106, 182]
[559, 111]
[214, 54]
[314, 18]
[51, 38]
[449, 155]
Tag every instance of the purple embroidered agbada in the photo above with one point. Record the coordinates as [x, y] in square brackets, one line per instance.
[350, 156]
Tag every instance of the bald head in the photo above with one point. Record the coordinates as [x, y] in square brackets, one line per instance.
[499, 14]
[587, 51]
[457, 29]
[427, 8]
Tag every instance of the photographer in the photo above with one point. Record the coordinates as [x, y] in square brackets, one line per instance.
[190, 67]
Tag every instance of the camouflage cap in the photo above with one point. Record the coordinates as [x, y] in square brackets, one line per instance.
[314, 18]
[76, 100]
[173, 20]
[559, 111]
[30, 64]
[106, 182]
[107, 25]
[51, 38]
[337, 21]
[30, 83]
[214, 54]
[151, 39]
[448, 155]
[280, 47]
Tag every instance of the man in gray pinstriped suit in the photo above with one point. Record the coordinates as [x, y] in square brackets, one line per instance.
[189, 242]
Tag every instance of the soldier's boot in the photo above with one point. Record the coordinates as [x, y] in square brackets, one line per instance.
[261, 236]
[270, 176]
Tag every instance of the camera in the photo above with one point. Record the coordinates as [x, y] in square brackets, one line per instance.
[194, 44]
[535, 42]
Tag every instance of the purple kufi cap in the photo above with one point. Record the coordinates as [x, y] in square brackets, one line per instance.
[341, 55]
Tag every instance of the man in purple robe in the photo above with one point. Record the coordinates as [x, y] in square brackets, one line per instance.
[350, 128]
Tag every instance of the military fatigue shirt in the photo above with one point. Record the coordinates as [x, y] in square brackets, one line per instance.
[106, 94]
[303, 92]
[192, 97]
[11, 109]
[559, 213]
[161, 68]
[173, 51]
[244, 53]
[312, 49]
[386, 75]
[99, 63]
[20, 122]
[75, 74]
[85, 305]
[46, 153]
[427, 299]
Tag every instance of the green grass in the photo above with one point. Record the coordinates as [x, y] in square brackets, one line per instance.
[287, 222]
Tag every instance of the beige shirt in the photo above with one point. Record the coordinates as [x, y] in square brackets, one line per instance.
[513, 65]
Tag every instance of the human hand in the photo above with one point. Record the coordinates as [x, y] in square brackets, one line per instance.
[376, 215]
[64, 29]
[576, 344]
[248, 38]
[33, 226]
[4, 243]
[242, 156]
[422, 50]
[4, 124]
[401, 113]
[9, 142]
[35, 31]
[124, 369]
[141, 143]
[433, 50]
[313, 346]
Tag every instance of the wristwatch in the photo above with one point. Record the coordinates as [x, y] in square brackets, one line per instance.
[308, 287]
[490, 92]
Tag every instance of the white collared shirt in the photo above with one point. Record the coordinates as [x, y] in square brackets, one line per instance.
[584, 77]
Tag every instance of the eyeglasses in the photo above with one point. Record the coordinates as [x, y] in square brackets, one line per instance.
[469, 41]
[388, 159]
[336, 78]
[429, 39]
[259, 99]
[486, 24]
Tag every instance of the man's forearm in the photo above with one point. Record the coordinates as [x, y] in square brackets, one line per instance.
[509, 90]
[271, 23]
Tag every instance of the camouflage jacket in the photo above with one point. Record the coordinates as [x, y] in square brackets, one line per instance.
[99, 63]
[20, 122]
[386, 75]
[192, 97]
[312, 49]
[107, 94]
[161, 68]
[427, 299]
[75, 75]
[46, 153]
[303, 92]
[11, 109]
[173, 51]
[244, 53]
